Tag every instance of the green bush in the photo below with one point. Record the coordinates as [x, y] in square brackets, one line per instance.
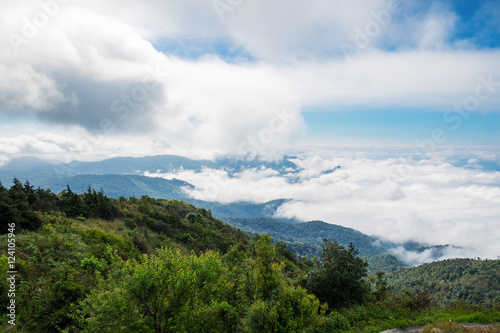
[335, 321]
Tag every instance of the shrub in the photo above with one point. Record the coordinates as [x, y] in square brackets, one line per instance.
[335, 321]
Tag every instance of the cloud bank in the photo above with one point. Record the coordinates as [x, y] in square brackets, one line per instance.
[400, 198]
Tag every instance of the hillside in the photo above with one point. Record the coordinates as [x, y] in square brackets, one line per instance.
[311, 233]
[65, 244]
[85, 262]
[472, 281]
[304, 239]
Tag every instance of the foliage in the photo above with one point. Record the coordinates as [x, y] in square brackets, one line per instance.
[166, 292]
[473, 281]
[92, 263]
[306, 238]
[16, 206]
[340, 279]
[385, 262]
[170, 292]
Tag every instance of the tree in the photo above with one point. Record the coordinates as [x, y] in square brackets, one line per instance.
[72, 204]
[276, 305]
[20, 211]
[99, 205]
[340, 279]
[166, 292]
[7, 213]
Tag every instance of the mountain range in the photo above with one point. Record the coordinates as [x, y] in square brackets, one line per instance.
[125, 177]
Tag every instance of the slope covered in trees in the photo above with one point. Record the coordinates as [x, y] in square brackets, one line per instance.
[87, 262]
[468, 280]
[310, 233]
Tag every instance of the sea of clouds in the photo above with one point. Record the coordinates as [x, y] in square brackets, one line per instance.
[445, 197]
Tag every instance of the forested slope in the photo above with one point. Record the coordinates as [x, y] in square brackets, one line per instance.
[309, 233]
[472, 281]
[86, 262]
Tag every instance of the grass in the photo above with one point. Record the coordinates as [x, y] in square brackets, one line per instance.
[388, 314]
[451, 327]
[470, 314]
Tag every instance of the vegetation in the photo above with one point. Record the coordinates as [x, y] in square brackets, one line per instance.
[90, 263]
[472, 281]
[340, 278]
[305, 239]
[309, 235]
[385, 262]
[451, 327]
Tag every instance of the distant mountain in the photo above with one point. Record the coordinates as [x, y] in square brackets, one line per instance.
[385, 262]
[22, 164]
[120, 185]
[236, 210]
[36, 170]
[311, 233]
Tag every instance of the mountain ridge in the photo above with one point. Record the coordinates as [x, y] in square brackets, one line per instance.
[128, 180]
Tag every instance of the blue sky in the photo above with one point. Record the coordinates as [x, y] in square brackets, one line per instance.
[482, 26]
[476, 22]
[205, 78]
[396, 127]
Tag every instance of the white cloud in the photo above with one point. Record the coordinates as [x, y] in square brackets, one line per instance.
[22, 87]
[414, 258]
[435, 32]
[84, 65]
[429, 201]
[427, 79]
[299, 29]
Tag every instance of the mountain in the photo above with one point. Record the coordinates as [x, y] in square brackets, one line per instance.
[120, 185]
[36, 170]
[237, 210]
[473, 281]
[310, 233]
[124, 177]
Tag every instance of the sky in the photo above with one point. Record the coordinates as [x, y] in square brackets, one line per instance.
[204, 78]
[92, 80]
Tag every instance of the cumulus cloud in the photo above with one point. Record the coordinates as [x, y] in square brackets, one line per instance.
[96, 66]
[21, 88]
[96, 72]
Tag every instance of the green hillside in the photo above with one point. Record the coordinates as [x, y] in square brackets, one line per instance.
[304, 239]
[311, 233]
[85, 262]
[66, 245]
[472, 281]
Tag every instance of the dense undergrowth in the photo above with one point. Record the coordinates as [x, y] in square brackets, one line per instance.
[90, 263]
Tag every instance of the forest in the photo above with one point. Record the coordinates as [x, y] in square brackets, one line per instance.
[85, 262]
